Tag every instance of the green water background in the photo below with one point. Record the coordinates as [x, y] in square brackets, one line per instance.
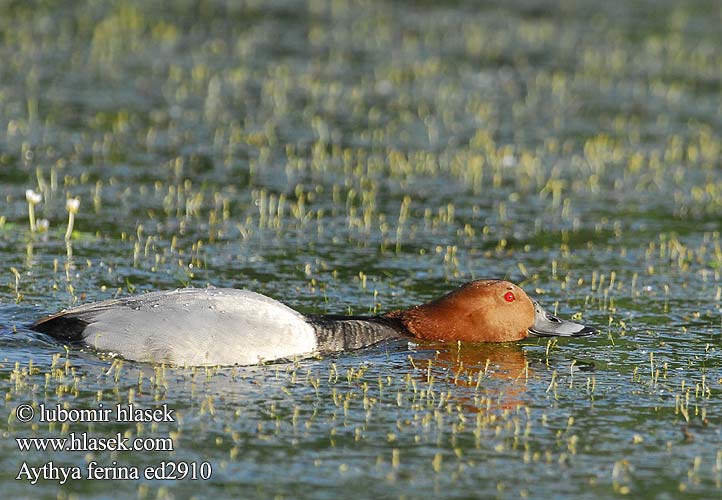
[359, 156]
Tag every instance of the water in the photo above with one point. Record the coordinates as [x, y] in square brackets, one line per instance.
[358, 157]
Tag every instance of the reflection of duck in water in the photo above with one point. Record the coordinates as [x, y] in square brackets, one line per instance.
[217, 326]
[495, 374]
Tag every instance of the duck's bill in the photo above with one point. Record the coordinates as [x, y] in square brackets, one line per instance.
[548, 325]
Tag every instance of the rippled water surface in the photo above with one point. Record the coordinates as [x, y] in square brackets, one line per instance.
[360, 157]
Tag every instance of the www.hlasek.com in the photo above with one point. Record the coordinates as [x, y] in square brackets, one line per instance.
[82, 441]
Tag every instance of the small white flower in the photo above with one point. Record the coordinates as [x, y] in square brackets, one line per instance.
[43, 225]
[508, 161]
[33, 197]
[72, 205]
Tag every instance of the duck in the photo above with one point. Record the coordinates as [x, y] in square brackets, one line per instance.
[228, 326]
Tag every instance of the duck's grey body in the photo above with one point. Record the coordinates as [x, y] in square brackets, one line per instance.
[211, 326]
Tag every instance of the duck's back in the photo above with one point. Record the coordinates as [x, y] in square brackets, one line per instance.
[211, 326]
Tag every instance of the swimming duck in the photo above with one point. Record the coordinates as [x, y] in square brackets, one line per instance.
[224, 326]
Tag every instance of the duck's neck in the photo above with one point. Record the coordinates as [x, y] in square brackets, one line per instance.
[341, 333]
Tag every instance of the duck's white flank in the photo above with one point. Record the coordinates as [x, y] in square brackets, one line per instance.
[198, 327]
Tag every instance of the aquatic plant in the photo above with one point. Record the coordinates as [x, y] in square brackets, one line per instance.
[33, 199]
[72, 205]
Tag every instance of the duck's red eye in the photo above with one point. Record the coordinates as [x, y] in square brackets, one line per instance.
[509, 297]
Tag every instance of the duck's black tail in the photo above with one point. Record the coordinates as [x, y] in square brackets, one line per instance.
[62, 327]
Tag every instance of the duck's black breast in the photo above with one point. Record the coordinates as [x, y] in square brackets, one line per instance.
[336, 333]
